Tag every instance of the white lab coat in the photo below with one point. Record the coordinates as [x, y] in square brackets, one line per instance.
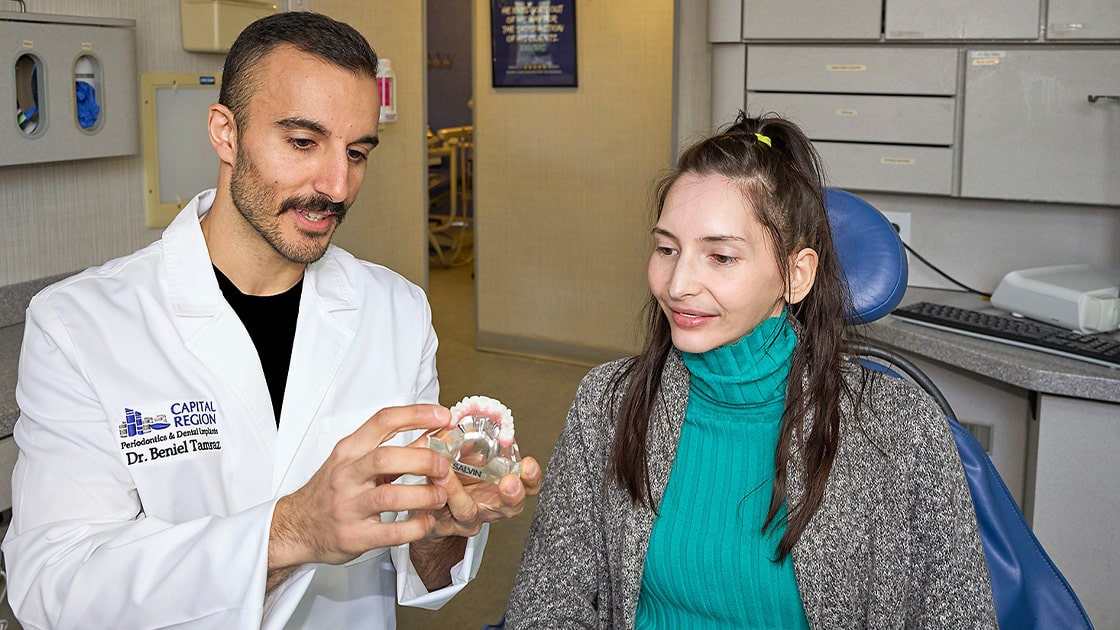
[169, 527]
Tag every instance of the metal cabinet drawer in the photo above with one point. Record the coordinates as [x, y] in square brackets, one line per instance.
[864, 70]
[1082, 19]
[909, 169]
[812, 19]
[962, 19]
[863, 118]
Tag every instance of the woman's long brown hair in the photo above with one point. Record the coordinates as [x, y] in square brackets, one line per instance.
[779, 175]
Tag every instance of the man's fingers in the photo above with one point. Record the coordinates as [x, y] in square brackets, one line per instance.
[378, 535]
[511, 492]
[393, 420]
[531, 476]
[403, 498]
[460, 502]
[385, 463]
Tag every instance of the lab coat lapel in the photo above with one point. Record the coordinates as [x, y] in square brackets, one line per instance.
[210, 328]
[322, 339]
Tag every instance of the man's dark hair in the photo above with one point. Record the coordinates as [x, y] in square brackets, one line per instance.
[332, 41]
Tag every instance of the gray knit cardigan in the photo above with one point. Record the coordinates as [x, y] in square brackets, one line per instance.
[894, 543]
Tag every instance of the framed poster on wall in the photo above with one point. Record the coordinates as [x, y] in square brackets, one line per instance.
[533, 43]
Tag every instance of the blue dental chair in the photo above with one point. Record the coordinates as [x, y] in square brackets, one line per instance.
[1028, 589]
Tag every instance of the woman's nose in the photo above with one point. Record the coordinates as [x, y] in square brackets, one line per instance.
[683, 279]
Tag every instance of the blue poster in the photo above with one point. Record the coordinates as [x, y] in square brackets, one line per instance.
[534, 43]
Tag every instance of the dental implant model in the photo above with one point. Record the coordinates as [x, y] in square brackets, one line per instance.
[479, 443]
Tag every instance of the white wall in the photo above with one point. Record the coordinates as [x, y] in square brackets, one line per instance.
[977, 242]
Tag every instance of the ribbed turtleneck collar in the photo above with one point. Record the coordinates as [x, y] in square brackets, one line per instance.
[748, 373]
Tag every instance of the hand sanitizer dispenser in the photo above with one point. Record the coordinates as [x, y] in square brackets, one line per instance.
[387, 85]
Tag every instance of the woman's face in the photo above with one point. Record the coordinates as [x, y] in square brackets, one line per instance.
[712, 269]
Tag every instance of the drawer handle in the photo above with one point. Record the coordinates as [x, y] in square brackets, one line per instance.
[1093, 98]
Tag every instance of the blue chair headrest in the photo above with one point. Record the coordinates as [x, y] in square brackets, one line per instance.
[871, 255]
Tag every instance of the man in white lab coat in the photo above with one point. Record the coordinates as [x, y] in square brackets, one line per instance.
[209, 426]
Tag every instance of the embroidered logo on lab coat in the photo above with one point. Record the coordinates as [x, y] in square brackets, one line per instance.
[170, 430]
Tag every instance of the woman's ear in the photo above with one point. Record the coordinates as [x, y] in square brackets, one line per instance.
[802, 274]
[223, 132]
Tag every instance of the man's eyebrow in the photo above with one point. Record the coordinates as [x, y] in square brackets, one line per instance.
[371, 140]
[315, 127]
[301, 123]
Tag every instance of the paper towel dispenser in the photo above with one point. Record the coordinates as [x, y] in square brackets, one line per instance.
[212, 25]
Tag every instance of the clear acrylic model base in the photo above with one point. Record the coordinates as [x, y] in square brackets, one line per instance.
[474, 450]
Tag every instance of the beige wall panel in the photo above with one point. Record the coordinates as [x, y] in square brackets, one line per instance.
[388, 223]
[563, 179]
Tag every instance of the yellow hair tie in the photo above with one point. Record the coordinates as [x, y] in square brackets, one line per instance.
[763, 139]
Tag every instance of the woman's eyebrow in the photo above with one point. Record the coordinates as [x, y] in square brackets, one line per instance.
[714, 238]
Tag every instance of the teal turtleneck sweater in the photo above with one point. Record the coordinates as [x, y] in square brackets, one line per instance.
[708, 564]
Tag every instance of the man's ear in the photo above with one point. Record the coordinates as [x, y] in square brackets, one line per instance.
[223, 132]
[802, 274]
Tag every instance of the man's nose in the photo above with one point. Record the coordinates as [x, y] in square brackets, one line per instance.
[333, 177]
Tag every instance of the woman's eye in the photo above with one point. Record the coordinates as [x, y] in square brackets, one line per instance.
[723, 259]
[664, 251]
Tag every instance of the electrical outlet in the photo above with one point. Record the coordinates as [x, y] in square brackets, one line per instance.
[299, 5]
[902, 220]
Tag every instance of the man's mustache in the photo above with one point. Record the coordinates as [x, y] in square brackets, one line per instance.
[319, 204]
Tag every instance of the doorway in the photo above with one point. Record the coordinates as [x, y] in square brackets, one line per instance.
[450, 134]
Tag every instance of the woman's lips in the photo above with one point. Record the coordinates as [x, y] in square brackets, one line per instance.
[689, 319]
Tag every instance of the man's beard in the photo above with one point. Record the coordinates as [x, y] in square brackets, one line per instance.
[253, 199]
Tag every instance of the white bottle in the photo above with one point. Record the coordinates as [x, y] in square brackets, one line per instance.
[387, 85]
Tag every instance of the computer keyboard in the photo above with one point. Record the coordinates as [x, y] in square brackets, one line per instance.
[1016, 331]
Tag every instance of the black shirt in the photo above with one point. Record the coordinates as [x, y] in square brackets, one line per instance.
[271, 323]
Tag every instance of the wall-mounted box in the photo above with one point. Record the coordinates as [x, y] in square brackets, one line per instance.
[213, 25]
[68, 88]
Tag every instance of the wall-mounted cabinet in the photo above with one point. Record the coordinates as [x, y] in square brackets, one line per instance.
[954, 98]
[1042, 125]
[69, 88]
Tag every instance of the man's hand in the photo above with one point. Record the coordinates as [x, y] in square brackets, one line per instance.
[470, 503]
[336, 516]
